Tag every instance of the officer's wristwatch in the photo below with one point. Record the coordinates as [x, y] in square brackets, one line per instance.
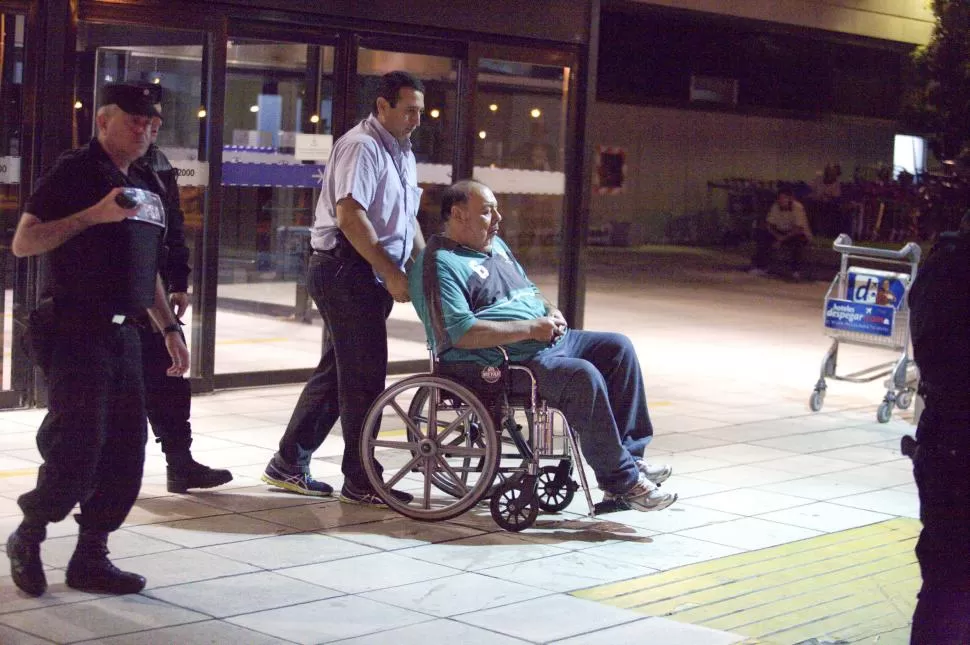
[174, 327]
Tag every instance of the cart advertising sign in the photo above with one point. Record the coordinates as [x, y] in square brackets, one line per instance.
[872, 286]
[861, 317]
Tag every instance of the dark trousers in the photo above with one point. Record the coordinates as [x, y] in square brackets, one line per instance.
[942, 471]
[353, 366]
[93, 437]
[168, 399]
[765, 250]
[594, 378]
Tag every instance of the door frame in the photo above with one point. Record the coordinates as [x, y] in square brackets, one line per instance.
[56, 22]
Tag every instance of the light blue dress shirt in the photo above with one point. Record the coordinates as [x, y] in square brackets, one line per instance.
[379, 172]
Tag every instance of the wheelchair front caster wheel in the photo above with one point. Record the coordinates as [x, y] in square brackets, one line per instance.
[885, 412]
[816, 400]
[513, 506]
[554, 491]
[904, 399]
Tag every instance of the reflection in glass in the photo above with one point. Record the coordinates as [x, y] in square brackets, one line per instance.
[11, 118]
[434, 149]
[171, 59]
[276, 139]
[520, 117]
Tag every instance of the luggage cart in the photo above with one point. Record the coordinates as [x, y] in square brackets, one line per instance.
[865, 306]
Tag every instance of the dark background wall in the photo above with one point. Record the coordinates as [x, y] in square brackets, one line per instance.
[805, 98]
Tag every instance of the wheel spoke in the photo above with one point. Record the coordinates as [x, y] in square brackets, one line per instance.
[402, 445]
[447, 469]
[428, 470]
[405, 418]
[457, 423]
[401, 473]
[433, 412]
[463, 451]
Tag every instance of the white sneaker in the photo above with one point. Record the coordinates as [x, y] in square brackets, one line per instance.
[757, 272]
[643, 496]
[657, 473]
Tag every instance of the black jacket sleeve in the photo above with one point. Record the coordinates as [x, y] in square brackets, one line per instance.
[175, 267]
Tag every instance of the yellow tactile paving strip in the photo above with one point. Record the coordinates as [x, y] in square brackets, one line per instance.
[854, 586]
[17, 473]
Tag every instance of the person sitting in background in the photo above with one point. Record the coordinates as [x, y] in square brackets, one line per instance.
[786, 228]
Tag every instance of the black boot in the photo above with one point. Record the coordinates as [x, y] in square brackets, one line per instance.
[90, 569]
[23, 549]
[185, 473]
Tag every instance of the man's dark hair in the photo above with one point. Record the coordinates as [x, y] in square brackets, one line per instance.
[390, 87]
[456, 194]
[785, 189]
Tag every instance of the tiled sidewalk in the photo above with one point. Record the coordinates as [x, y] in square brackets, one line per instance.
[730, 362]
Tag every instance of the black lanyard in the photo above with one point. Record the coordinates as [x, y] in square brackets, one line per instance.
[400, 172]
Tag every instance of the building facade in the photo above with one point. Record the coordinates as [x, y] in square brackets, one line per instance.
[582, 115]
[697, 96]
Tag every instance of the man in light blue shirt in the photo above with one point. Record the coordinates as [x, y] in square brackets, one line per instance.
[365, 231]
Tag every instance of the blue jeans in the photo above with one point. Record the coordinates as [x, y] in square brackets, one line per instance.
[594, 378]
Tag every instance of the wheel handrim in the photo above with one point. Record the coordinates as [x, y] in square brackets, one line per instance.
[450, 449]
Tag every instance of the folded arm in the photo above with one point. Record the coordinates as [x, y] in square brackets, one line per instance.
[490, 333]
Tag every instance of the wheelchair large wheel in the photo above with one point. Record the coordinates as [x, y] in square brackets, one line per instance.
[444, 450]
[469, 433]
[509, 463]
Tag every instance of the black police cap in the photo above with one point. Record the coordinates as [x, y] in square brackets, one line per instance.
[132, 98]
[154, 90]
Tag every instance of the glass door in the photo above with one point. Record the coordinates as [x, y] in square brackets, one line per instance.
[520, 126]
[276, 137]
[12, 39]
[434, 146]
[173, 60]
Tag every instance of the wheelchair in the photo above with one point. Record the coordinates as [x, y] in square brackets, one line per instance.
[435, 437]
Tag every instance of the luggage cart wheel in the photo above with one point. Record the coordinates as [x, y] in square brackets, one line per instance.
[816, 400]
[884, 412]
[904, 399]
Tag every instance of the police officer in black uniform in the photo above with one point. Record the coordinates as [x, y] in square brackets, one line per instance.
[939, 301]
[168, 399]
[103, 275]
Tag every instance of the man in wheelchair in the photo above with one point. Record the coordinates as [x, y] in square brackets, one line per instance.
[475, 300]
